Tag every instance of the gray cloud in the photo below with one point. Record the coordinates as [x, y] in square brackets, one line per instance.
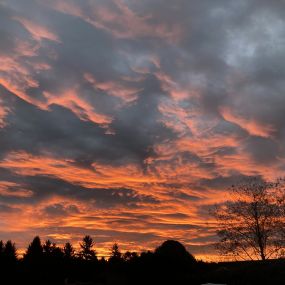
[43, 187]
[60, 210]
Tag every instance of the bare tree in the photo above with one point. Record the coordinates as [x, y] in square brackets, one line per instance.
[251, 224]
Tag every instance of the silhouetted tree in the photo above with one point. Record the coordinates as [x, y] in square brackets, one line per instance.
[251, 224]
[1, 246]
[174, 253]
[35, 251]
[56, 252]
[1, 250]
[116, 255]
[47, 247]
[68, 250]
[173, 263]
[129, 256]
[10, 252]
[52, 252]
[103, 260]
[87, 252]
[8, 265]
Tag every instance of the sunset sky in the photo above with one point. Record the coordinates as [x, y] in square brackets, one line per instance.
[128, 119]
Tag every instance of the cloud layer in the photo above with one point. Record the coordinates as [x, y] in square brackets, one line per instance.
[128, 119]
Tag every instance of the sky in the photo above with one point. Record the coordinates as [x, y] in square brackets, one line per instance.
[128, 120]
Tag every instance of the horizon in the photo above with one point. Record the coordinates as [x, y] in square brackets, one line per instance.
[129, 120]
[106, 252]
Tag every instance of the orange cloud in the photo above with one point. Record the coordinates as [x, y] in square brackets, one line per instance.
[25, 48]
[250, 125]
[84, 110]
[3, 113]
[176, 91]
[101, 175]
[38, 31]
[121, 22]
[124, 223]
[126, 93]
[16, 77]
[5, 190]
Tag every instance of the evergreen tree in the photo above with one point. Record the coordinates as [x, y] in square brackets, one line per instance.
[87, 253]
[68, 250]
[47, 247]
[129, 256]
[1, 247]
[10, 252]
[1, 250]
[56, 252]
[35, 250]
[115, 253]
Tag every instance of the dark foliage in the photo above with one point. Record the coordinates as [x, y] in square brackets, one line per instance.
[170, 263]
[87, 252]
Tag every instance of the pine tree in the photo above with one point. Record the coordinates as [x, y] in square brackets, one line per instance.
[115, 252]
[87, 253]
[47, 247]
[68, 250]
[10, 252]
[1, 249]
[35, 250]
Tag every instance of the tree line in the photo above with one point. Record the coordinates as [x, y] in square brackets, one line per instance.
[37, 251]
[170, 263]
[48, 263]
